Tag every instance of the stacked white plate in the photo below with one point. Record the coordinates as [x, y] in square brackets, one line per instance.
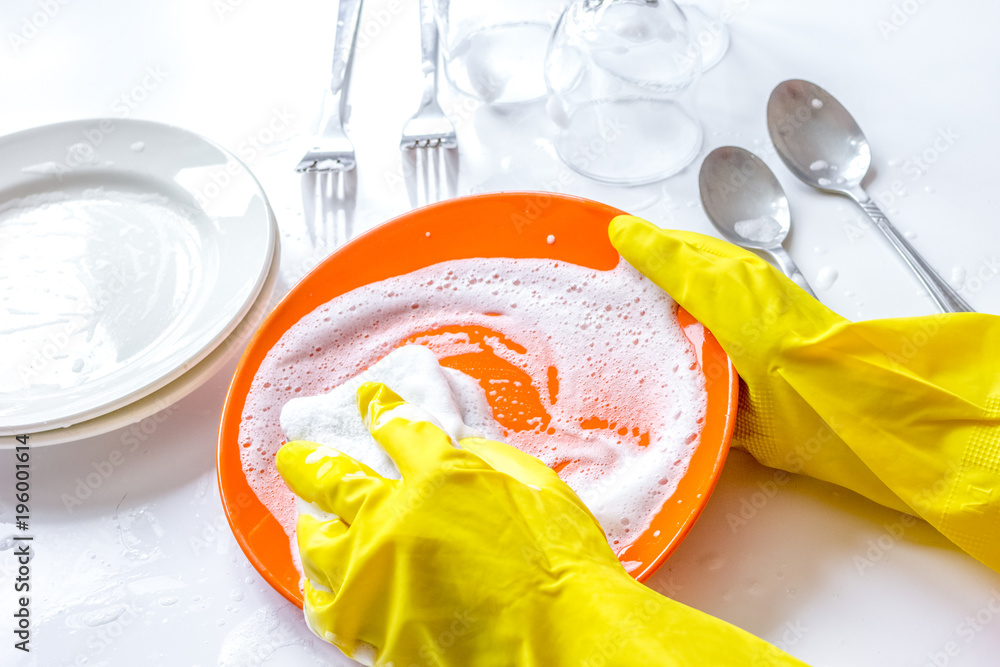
[135, 259]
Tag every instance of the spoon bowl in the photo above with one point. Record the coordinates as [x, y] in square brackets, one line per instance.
[743, 199]
[816, 137]
[747, 205]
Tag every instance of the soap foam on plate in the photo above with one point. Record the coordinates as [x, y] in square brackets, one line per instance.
[450, 399]
[591, 372]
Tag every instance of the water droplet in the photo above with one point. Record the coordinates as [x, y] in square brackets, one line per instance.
[826, 277]
[138, 146]
[101, 617]
[817, 103]
[958, 274]
[819, 165]
[824, 182]
[712, 561]
[550, 239]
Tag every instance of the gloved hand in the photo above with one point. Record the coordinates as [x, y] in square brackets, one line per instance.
[479, 556]
[903, 411]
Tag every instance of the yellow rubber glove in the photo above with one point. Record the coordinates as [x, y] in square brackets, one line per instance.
[903, 411]
[479, 556]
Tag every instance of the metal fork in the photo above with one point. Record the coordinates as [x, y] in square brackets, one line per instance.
[429, 127]
[333, 151]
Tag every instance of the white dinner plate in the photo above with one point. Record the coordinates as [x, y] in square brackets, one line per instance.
[141, 412]
[129, 250]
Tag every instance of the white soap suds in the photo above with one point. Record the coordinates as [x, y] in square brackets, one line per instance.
[826, 277]
[588, 370]
[450, 399]
[761, 230]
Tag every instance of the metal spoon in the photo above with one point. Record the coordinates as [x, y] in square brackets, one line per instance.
[746, 204]
[821, 143]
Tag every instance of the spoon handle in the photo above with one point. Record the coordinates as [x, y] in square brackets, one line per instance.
[790, 269]
[947, 299]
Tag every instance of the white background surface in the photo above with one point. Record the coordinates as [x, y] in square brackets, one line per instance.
[142, 568]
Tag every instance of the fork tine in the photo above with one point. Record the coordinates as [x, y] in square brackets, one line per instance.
[428, 132]
[333, 150]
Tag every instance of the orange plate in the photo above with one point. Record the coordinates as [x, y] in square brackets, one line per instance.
[515, 225]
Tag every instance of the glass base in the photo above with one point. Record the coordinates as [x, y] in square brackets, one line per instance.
[629, 142]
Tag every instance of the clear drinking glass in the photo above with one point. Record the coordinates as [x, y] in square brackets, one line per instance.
[621, 75]
[708, 29]
[494, 50]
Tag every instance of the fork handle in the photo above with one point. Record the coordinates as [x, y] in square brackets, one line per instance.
[348, 15]
[428, 51]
